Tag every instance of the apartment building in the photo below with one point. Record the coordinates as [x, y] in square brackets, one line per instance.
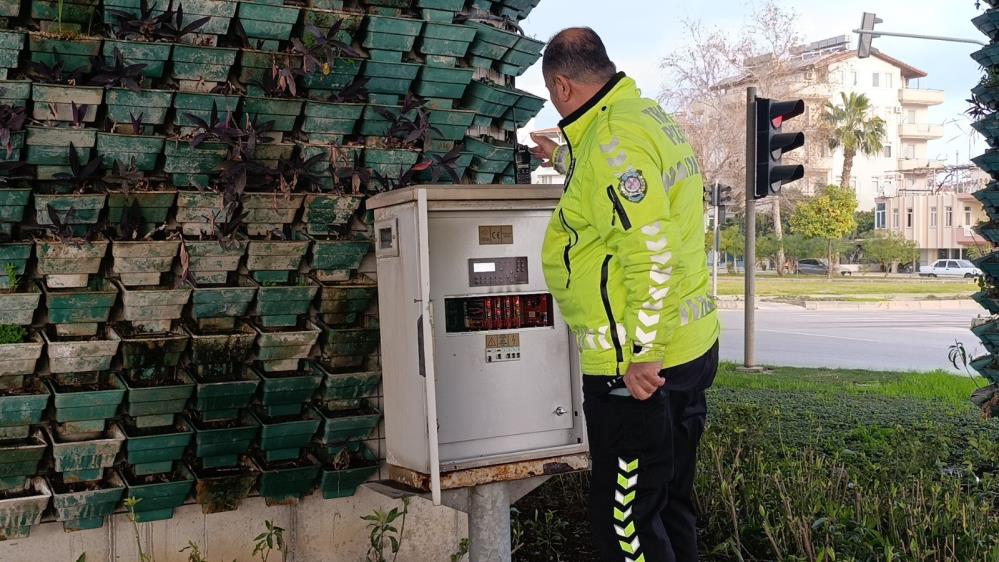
[941, 224]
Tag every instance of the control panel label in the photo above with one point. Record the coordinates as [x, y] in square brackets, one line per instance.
[497, 272]
[495, 235]
[503, 340]
[501, 348]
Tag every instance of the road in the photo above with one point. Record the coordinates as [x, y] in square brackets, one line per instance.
[881, 340]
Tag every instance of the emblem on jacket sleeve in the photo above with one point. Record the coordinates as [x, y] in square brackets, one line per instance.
[632, 185]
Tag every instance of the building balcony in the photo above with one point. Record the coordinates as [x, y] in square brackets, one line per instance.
[920, 131]
[966, 236]
[919, 165]
[916, 96]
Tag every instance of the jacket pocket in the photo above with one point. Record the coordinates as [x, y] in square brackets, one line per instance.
[609, 310]
[619, 211]
[573, 240]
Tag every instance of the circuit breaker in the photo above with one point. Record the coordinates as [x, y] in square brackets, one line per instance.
[479, 368]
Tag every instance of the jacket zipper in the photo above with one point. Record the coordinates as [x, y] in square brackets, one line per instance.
[572, 161]
[618, 208]
[604, 274]
[568, 247]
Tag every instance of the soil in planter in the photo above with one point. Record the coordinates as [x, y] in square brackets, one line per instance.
[301, 326]
[132, 432]
[215, 424]
[271, 420]
[283, 465]
[103, 385]
[30, 387]
[165, 380]
[18, 494]
[53, 337]
[348, 413]
[145, 480]
[218, 359]
[60, 487]
[356, 459]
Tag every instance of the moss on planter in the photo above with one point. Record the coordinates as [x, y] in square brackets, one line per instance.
[331, 121]
[21, 409]
[326, 211]
[69, 265]
[273, 261]
[221, 356]
[74, 54]
[218, 308]
[202, 64]
[82, 460]
[286, 482]
[197, 211]
[142, 262]
[157, 497]
[337, 260]
[222, 489]
[69, 356]
[48, 148]
[84, 507]
[347, 347]
[19, 514]
[18, 361]
[284, 305]
[83, 412]
[283, 113]
[267, 212]
[281, 351]
[269, 22]
[211, 262]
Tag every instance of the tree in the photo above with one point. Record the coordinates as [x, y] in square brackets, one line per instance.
[854, 129]
[865, 223]
[829, 216]
[733, 241]
[889, 250]
[768, 248]
[798, 247]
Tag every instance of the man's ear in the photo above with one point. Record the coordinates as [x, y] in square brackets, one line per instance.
[562, 88]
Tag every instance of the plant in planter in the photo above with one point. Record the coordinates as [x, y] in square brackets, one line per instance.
[329, 63]
[131, 194]
[199, 67]
[285, 482]
[347, 347]
[50, 148]
[274, 101]
[74, 51]
[342, 304]
[394, 136]
[68, 261]
[271, 204]
[142, 255]
[12, 120]
[222, 489]
[155, 496]
[138, 35]
[132, 149]
[345, 468]
[22, 399]
[267, 22]
[331, 121]
[284, 437]
[75, 203]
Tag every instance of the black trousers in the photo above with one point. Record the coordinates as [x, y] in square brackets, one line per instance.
[644, 459]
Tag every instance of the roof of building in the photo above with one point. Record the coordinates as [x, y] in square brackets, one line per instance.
[824, 53]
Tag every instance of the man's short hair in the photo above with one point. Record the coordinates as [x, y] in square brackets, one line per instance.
[578, 54]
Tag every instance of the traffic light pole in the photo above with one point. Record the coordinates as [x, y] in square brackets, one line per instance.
[716, 243]
[749, 261]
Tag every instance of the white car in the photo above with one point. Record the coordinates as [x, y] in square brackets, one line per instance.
[950, 268]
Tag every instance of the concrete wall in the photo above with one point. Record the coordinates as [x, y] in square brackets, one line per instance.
[316, 530]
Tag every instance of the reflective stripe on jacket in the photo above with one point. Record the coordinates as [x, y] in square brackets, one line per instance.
[624, 252]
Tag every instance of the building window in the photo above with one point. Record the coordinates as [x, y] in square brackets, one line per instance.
[910, 116]
[967, 216]
[933, 216]
[876, 80]
[887, 151]
[876, 185]
[949, 216]
[853, 78]
[888, 80]
[908, 217]
[880, 217]
[910, 151]
[894, 218]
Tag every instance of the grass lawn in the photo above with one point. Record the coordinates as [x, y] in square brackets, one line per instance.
[809, 464]
[797, 287]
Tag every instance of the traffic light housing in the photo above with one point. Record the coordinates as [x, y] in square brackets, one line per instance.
[772, 145]
[864, 45]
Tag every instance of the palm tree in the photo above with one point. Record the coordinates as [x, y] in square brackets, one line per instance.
[855, 129]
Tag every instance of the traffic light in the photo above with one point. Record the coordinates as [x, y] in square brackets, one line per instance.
[867, 39]
[772, 145]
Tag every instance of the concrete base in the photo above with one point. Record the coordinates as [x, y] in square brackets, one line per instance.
[316, 530]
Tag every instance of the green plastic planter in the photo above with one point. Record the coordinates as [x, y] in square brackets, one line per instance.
[445, 40]
[80, 312]
[284, 305]
[339, 482]
[347, 347]
[269, 22]
[489, 100]
[12, 152]
[254, 64]
[153, 310]
[200, 105]
[211, 262]
[460, 166]
[354, 421]
[147, 358]
[220, 444]
[153, 451]
[283, 113]
[286, 393]
[218, 308]
[988, 332]
[19, 461]
[17, 361]
[220, 13]
[87, 508]
[989, 264]
[84, 413]
[989, 231]
[323, 20]
[151, 106]
[374, 124]
[82, 460]
[196, 209]
[273, 261]
[439, 10]
[16, 255]
[222, 489]
[88, 356]
[988, 301]
[397, 35]
[342, 305]
[217, 400]
[74, 54]
[325, 211]
[453, 124]
[48, 148]
[19, 514]
[320, 85]
[489, 157]
[389, 162]
[267, 212]
[86, 208]
[153, 55]
[155, 207]
[11, 43]
[987, 368]
[220, 356]
[20, 410]
[281, 351]
[330, 122]
[141, 263]
[348, 384]
[64, 16]
[12, 205]
[202, 64]
[286, 482]
[154, 403]
[69, 265]
[490, 44]
[338, 260]
[443, 83]
[987, 57]
[522, 56]
[389, 79]
[142, 151]
[284, 438]
[989, 162]
[15, 93]
[157, 500]
[10, 8]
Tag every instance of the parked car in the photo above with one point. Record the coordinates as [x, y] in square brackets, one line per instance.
[950, 268]
[818, 267]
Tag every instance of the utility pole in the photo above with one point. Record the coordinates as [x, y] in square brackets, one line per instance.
[749, 260]
[716, 243]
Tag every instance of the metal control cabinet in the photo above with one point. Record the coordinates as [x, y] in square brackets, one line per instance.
[479, 368]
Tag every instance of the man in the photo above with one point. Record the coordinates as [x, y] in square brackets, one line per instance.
[624, 257]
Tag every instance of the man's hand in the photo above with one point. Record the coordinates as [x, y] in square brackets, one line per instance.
[643, 380]
[545, 149]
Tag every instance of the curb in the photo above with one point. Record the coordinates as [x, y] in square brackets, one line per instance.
[890, 306]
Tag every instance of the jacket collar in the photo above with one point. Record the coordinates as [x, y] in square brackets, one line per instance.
[575, 125]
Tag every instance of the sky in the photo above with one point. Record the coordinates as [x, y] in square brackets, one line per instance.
[639, 33]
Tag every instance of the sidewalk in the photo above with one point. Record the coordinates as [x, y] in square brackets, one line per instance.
[900, 304]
